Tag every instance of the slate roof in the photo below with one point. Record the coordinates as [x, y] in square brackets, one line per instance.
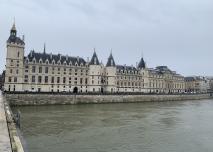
[110, 61]
[141, 64]
[94, 60]
[164, 69]
[54, 57]
[14, 39]
[124, 67]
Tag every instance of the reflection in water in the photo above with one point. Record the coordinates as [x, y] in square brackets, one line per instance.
[133, 127]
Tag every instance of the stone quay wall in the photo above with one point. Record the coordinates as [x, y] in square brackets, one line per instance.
[51, 99]
[16, 144]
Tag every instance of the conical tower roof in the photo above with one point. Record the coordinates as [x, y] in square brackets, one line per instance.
[110, 61]
[142, 64]
[94, 60]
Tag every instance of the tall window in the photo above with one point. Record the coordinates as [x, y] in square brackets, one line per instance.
[64, 80]
[9, 79]
[33, 69]
[15, 79]
[39, 79]
[26, 78]
[33, 79]
[46, 79]
[52, 80]
[58, 79]
[40, 70]
[46, 69]
[18, 54]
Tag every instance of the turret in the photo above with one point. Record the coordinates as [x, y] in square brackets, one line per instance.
[111, 75]
[95, 74]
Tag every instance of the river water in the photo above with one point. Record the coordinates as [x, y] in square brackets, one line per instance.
[182, 126]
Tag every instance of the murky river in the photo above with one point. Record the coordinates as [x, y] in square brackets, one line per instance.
[185, 126]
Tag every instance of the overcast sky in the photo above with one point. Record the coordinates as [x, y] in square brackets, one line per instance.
[176, 33]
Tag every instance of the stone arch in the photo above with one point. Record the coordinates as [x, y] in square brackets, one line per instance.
[75, 90]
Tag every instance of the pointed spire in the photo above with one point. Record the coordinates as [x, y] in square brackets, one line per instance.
[110, 61]
[44, 48]
[142, 64]
[94, 60]
[13, 31]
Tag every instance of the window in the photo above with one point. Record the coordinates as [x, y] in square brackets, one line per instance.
[52, 80]
[39, 79]
[9, 79]
[81, 80]
[58, 70]
[40, 70]
[18, 54]
[46, 79]
[70, 78]
[11, 70]
[53, 70]
[64, 79]
[46, 69]
[17, 71]
[26, 78]
[33, 79]
[15, 79]
[58, 79]
[86, 81]
[33, 69]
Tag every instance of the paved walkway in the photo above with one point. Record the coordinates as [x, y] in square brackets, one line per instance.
[4, 135]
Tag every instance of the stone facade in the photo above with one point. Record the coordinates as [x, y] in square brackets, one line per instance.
[197, 84]
[47, 72]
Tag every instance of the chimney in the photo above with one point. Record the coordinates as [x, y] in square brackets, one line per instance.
[66, 57]
[78, 58]
[136, 64]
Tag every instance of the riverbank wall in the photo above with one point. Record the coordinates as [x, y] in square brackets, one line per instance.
[15, 141]
[51, 99]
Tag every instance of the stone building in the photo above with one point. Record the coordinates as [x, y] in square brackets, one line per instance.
[47, 72]
[197, 84]
[163, 80]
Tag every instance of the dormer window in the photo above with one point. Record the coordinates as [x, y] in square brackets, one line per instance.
[47, 62]
[40, 61]
[34, 60]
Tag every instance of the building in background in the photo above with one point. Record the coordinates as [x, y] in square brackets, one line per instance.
[47, 72]
[197, 84]
[163, 80]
